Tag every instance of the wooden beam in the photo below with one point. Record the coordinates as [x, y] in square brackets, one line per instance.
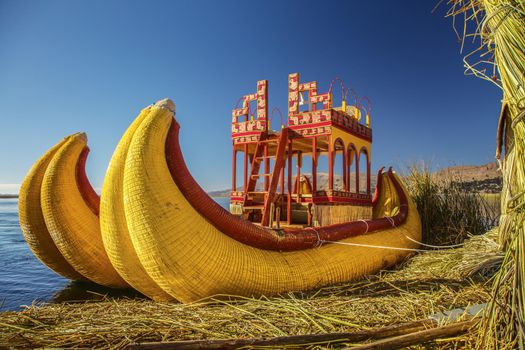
[289, 166]
[277, 174]
[245, 177]
[357, 160]
[398, 336]
[266, 167]
[419, 337]
[314, 165]
[234, 170]
[330, 164]
[368, 180]
[345, 171]
[298, 177]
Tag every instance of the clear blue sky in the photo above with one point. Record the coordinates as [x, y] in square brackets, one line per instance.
[68, 66]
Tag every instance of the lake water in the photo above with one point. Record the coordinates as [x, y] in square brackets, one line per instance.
[25, 280]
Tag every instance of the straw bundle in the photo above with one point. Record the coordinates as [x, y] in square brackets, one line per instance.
[500, 26]
[32, 221]
[72, 223]
[113, 225]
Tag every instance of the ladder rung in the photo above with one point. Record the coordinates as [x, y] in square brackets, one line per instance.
[264, 157]
[259, 175]
[269, 140]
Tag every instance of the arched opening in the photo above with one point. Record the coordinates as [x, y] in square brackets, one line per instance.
[322, 171]
[364, 171]
[306, 168]
[351, 156]
[338, 164]
[239, 171]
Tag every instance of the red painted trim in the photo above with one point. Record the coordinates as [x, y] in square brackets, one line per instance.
[335, 199]
[89, 195]
[266, 167]
[310, 125]
[260, 237]
[247, 133]
[234, 170]
[379, 185]
[330, 164]
[289, 199]
[345, 170]
[314, 164]
[357, 175]
[368, 178]
[245, 167]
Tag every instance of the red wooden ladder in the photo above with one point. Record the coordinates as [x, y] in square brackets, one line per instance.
[278, 166]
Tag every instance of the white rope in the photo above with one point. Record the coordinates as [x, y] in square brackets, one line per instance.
[391, 221]
[319, 242]
[366, 223]
[393, 248]
[435, 246]
[375, 246]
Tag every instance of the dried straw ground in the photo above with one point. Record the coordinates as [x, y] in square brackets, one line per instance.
[429, 283]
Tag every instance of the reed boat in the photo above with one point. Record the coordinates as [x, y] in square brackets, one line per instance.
[159, 232]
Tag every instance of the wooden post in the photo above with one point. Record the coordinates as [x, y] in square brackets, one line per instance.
[298, 177]
[357, 172]
[345, 171]
[289, 166]
[314, 165]
[330, 164]
[234, 170]
[245, 185]
[368, 166]
[281, 180]
[349, 169]
[266, 167]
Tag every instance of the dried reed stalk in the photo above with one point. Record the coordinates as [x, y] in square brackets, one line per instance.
[500, 27]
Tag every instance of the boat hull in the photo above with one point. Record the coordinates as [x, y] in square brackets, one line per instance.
[164, 236]
[191, 258]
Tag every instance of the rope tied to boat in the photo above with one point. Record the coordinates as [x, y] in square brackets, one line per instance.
[375, 246]
[319, 242]
[366, 223]
[435, 246]
[395, 248]
[389, 218]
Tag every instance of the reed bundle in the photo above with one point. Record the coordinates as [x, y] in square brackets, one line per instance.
[448, 212]
[499, 25]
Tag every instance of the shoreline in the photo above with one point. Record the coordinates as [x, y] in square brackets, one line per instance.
[8, 196]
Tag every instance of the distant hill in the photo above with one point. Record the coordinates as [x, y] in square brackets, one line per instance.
[322, 183]
[484, 178]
